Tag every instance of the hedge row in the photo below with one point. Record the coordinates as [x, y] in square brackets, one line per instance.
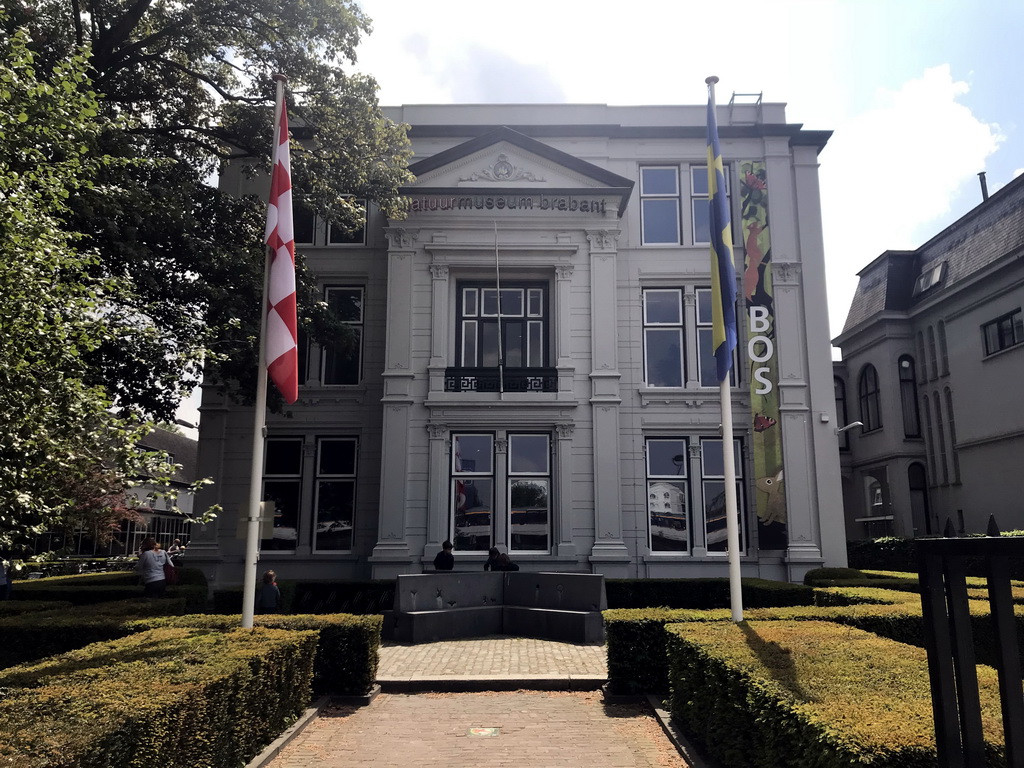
[18, 607]
[33, 636]
[636, 639]
[810, 695]
[348, 646]
[174, 698]
[702, 593]
[92, 588]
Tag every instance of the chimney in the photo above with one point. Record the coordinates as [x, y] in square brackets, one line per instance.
[984, 187]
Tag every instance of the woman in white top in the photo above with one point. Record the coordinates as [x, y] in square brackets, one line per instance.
[151, 565]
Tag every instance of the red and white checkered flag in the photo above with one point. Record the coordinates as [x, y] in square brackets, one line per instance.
[281, 336]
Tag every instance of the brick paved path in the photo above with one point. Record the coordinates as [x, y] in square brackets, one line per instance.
[535, 730]
[518, 657]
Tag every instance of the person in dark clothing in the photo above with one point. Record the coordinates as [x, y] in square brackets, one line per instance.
[269, 594]
[492, 558]
[444, 560]
[504, 564]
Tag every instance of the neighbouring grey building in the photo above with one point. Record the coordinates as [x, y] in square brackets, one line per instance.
[933, 353]
[533, 369]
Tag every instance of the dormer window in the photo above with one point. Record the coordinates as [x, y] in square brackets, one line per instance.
[930, 277]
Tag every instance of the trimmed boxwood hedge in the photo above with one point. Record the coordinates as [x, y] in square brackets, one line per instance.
[92, 588]
[175, 698]
[635, 638]
[810, 695]
[18, 607]
[702, 593]
[348, 647]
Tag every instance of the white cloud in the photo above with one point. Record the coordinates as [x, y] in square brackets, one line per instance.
[891, 175]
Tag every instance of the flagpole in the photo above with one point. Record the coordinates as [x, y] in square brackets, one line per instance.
[252, 538]
[732, 531]
[501, 348]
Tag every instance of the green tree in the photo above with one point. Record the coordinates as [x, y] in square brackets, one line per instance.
[63, 452]
[192, 81]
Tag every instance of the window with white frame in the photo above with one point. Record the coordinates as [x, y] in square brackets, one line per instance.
[526, 492]
[529, 492]
[908, 397]
[699, 202]
[335, 500]
[472, 491]
[706, 361]
[664, 351]
[1003, 332]
[519, 329]
[311, 229]
[676, 503]
[712, 464]
[342, 363]
[668, 505]
[659, 205]
[282, 484]
[870, 406]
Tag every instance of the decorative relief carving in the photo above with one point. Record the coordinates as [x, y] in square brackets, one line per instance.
[565, 431]
[399, 237]
[602, 239]
[503, 170]
[786, 271]
[694, 450]
[309, 450]
[501, 445]
[564, 271]
[439, 271]
[437, 431]
[689, 299]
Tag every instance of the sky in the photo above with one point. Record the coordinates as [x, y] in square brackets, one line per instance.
[919, 93]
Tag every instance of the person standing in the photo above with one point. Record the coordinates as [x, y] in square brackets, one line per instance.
[151, 565]
[5, 579]
[444, 560]
[270, 594]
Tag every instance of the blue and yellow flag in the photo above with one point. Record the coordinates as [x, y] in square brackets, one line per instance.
[723, 272]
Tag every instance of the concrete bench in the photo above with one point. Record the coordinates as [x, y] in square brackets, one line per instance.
[443, 606]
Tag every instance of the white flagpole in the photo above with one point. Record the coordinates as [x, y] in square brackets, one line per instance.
[252, 538]
[501, 349]
[732, 528]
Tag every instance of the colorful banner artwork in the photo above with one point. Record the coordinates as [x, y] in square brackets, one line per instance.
[757, 290]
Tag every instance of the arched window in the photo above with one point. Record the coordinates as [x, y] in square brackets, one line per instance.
[952, 435]
[929, 443]
[908, 397]
[943, 350]
[841, 416]
[870, 412]
[941, 457]
[932, 357]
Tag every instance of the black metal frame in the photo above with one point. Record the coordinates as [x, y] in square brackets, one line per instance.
[956, 703]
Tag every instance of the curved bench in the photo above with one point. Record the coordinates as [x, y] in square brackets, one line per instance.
[550, 605]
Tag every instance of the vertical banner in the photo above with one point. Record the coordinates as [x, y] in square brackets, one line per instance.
[757, 289]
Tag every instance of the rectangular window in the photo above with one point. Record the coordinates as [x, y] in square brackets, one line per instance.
[668, 494]
[335, 493]
[472, 489]
[311, 229]
[659, 205]
[1003, 333]
[712, 464]
[282, 484]
[699, 202]
[663, 337]
[342, 363]
[520, 324]
[705, 343]
[529, 492]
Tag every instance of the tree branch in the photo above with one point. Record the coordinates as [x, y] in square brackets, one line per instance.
[119, 32]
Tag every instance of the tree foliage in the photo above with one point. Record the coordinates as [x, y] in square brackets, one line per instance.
[63, 453]
[190, 86]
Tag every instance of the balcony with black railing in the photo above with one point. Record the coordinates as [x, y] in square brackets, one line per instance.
[498, 380]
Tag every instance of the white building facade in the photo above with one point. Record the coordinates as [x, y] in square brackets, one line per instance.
[533, 367]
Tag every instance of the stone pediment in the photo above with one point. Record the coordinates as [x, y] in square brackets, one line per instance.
[504, 161]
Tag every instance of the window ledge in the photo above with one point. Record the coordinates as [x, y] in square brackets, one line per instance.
[1003, 351]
